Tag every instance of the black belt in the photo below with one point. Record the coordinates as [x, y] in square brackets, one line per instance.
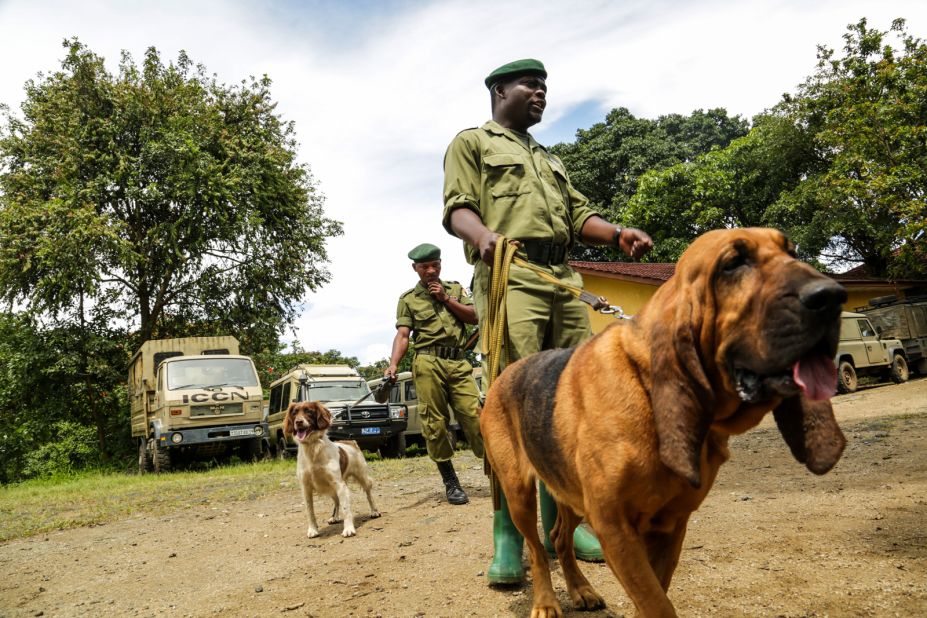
[544, 253]
[442, 352]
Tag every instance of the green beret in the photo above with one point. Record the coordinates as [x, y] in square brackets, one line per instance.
[513, 69]
[425, 253]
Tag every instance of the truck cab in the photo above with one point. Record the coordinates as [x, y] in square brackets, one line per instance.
[194, 397]
[355, 414]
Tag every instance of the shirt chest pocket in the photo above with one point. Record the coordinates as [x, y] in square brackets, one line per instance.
[427, 321]
[506, 174]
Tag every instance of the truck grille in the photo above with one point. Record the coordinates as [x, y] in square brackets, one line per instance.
[369, 413]
[216, 409]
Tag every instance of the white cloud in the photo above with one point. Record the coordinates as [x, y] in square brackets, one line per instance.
[377, 97]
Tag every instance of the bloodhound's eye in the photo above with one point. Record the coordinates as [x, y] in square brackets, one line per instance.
[735, 262]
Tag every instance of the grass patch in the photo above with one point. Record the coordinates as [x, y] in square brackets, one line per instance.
[92, 498]
[38, 506]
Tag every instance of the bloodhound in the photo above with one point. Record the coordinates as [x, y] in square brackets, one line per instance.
[629, 429]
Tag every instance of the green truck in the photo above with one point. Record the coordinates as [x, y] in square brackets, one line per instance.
[864, 351]
[905, 320]
[194, 398]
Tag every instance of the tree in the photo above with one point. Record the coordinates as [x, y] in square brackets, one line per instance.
[732, 187]
[59, 373]
[867, 111]
[841, 166]
[160, 194]
[607, 160]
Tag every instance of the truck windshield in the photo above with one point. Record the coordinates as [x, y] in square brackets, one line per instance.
[210, 372]
[338, 391]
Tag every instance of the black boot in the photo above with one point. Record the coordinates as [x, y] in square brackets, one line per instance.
[455, 494]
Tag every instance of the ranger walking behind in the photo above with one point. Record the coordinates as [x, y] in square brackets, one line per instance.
[434, 313]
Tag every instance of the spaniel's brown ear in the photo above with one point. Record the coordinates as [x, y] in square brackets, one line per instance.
[682, 398]
[811, 431]
[323, 418]
[288, 422]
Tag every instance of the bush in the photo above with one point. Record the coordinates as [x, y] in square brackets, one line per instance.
[74, 447]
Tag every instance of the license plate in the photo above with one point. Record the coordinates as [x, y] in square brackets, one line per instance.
[242, 432]
[368, 431]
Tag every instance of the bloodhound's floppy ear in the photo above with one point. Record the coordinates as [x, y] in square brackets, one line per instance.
[323, 418]
[811, 431]
[682, 397]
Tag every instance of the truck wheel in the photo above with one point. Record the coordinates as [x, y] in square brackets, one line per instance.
[394, 448]
[846, 377]
[144, 457]
[899, 372]
[163, 459]
[250, 450]
[282, 453]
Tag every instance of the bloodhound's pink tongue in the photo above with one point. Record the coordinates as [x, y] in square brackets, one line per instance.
[816, 375]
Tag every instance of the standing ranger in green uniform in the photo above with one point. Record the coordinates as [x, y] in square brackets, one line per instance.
[499, 181]
[434, 313]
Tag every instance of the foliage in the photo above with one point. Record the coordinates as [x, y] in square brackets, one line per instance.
[731, 187]
[607, 159]
[173, 199]
[841, 166]
[72, 447]
[273, 365]
[867, 112]
[59, 373]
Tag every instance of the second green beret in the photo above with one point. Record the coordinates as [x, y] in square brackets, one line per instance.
[425, 252]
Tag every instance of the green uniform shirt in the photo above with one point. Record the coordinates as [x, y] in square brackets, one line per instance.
[432, 323]
[520, 191]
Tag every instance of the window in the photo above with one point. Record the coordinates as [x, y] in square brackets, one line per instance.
[865, 328]
[410, 391]
[285, 398]
[338, 390]
[394, 394]
[192, 372]
[160, 356]
[275, 399]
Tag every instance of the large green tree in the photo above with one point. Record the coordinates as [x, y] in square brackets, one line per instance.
[867, 112]
[172, 200]
[731, 187]
[841, 165]
[607, 160]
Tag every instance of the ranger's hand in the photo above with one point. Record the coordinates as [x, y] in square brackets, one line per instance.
[390, 373]
[487, 246]
[634, 242]
[437, 291]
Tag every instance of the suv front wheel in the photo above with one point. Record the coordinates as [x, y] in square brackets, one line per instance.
[846, 377]
[899, 372]
[394, 447]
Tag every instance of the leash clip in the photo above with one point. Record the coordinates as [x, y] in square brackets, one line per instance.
[616, 311]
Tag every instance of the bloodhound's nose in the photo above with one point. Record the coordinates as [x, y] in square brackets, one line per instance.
[821, 294]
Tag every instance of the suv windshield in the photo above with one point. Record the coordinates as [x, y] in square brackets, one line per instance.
[210, 372]
[347, 390]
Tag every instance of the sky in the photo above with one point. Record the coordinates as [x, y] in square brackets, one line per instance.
[378, 88]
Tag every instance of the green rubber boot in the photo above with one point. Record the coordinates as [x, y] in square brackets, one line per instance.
[507, 543]
[585, 545]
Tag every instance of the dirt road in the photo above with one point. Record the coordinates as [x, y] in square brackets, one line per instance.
[770, 540]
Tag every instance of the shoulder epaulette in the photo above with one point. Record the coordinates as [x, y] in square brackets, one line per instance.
[406, 293]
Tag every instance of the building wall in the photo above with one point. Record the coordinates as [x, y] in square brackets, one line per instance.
[627, 295]
[631, 296]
